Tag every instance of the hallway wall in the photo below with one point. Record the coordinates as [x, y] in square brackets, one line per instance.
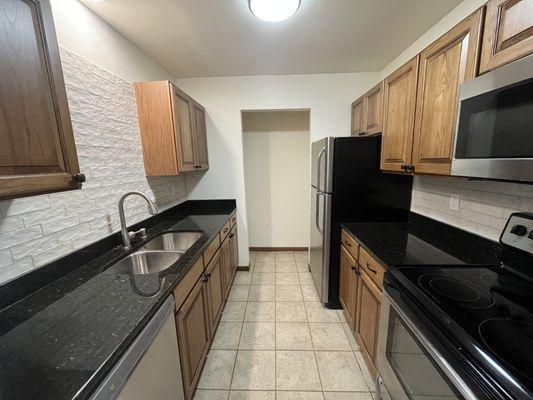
[276, 171]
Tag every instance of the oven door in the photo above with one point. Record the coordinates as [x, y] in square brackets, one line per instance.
[494, 124]
[410, 367]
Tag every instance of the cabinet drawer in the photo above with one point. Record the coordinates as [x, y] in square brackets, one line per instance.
[374, 270]
[233, 219]
[185, 286]
[225, 231]
[351, 245]
[211, 249]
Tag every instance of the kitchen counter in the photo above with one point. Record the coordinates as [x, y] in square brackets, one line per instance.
[422, 241]
[61, 340]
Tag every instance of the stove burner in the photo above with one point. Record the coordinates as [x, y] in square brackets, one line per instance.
[510, 340]
[507, 284]
[464, 293]
[454, 289]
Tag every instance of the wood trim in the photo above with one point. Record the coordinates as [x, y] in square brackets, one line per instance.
[279, 248]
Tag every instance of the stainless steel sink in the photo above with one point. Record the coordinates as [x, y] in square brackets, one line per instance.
[147, 262]
[173, 241]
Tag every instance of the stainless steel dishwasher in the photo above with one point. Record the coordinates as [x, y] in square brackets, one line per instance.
[150, 368]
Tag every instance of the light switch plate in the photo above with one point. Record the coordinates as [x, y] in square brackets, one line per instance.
[454, 202]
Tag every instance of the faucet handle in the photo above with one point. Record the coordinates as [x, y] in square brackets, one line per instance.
[140, 233]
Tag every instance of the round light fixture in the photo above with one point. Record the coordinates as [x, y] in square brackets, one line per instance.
[273, 10]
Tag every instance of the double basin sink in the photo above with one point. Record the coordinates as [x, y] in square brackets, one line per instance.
[158, 254]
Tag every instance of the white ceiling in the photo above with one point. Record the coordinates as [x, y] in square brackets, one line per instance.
[198, 38]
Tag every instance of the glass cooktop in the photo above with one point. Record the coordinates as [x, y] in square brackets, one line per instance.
[492, 305]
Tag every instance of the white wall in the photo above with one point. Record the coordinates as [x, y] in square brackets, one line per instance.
[276, 170]
[84, 33]
[98, 75]
[328, 96]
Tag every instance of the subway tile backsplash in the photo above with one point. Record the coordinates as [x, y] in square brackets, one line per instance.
[483, 206]
[39, 229]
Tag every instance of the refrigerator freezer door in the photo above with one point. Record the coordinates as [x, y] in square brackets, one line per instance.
[322, 164]
[319, 241]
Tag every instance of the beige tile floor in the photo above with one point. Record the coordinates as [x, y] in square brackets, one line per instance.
[276, 341]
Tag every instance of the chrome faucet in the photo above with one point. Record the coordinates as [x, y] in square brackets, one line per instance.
[127, 236]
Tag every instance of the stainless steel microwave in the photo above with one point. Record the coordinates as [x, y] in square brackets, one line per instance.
[494, 132]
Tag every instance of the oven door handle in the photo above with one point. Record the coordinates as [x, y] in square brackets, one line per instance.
[448, 370]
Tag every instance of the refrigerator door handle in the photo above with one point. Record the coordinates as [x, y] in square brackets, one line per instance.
[317, 212]
[322, 152]
[317, 199]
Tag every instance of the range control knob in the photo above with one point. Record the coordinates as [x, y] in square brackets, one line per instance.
[530, 236]
[519, 230]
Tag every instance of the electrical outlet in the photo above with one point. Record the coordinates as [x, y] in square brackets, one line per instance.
[454, 202]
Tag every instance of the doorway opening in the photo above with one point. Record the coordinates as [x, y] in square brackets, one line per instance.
[276, 146]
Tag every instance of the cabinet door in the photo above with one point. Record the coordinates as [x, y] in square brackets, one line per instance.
[215, 289]
[192, 322]
[368, 306]
[508, 32]
[202, 159]
[373, 110]
[234, 249]
[399, 116]
[357, 116]
[227, 264]
[184, 129]
[444, 65]
[37, 151]
[348, 285]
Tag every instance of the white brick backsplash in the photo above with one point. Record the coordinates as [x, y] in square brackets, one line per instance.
[8, 224]
[39, 229]
[484, 206]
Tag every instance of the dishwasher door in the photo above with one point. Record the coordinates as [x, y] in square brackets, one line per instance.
[150, 368]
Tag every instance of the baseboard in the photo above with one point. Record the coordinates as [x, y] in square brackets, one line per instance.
[279, 248]
[243, 268]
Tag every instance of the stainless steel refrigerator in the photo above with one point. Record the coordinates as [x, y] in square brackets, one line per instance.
[348, 186]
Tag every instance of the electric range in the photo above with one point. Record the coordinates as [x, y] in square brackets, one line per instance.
[461, 332]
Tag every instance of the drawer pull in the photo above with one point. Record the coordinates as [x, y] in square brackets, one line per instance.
[232, 236]
[353, 268]
[225, 230]
[347, 243]
[370, 269]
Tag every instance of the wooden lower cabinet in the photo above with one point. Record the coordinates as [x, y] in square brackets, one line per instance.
[214, 280]
[348, 276]
[194, 335]
[367, 324]
[225, 252]
[197, 316]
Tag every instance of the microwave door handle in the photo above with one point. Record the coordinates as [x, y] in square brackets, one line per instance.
[318, 177]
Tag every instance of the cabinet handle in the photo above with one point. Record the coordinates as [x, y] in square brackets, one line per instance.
[231, 236]
[403, 166]
[206, 277]
[80, 178]
[347, 243]
[197, 166]
[353, 268]
[370, 269]
[225, 230]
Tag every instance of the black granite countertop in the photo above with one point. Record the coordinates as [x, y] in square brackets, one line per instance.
[422, 241]
[61, 340]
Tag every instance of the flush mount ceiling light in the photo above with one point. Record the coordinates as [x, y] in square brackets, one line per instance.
[273, 10]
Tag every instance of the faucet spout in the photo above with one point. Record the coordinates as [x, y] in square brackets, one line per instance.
[152, 209]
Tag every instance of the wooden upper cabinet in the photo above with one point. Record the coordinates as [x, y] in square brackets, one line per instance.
[367, 112]
[508, 32]
[444, 65]
[172, 128]
[37, 154]
[373, 110]
[399, 101]
[357, 116]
